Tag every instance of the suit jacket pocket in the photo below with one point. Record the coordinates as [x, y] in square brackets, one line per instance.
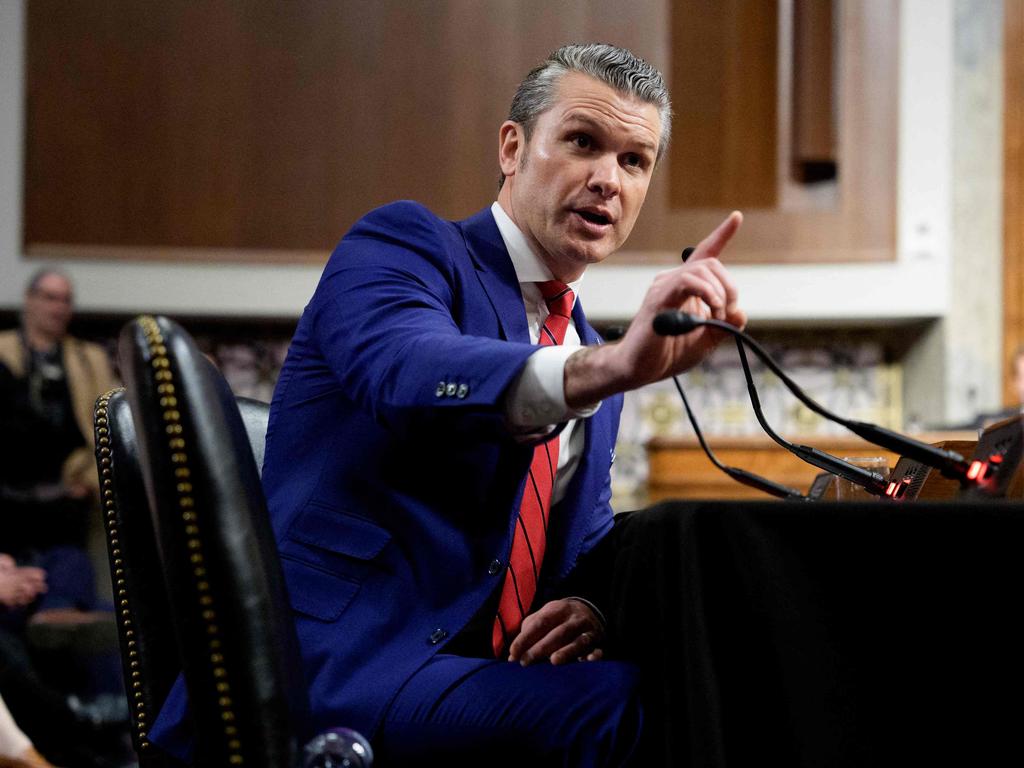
[315, 592]
[333, 530]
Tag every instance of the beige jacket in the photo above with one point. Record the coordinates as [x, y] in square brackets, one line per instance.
[89, 376]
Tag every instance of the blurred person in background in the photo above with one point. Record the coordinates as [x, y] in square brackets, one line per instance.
[49, 381]
[61, 726]
[16, 750]
[49, 492]
[18, 587]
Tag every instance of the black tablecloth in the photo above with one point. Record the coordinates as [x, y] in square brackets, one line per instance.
[798, 634]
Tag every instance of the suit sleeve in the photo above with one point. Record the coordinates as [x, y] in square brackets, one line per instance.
[384, 319]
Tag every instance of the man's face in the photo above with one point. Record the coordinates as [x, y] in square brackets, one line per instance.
[48, 306]
[576, 188]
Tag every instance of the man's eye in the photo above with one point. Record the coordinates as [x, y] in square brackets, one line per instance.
[581, 140]
[634, 160]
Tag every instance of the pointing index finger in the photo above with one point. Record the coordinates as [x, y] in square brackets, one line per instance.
[712, 245]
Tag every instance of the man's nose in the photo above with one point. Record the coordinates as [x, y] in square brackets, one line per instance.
[604, 176]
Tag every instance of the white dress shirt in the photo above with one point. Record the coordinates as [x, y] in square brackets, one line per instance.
[535, 401]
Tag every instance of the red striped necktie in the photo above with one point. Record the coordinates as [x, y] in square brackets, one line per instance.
[530, 537]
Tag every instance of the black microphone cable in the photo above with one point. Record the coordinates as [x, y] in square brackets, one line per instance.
[737, 474]
[949, 463]
[874, 482]
[616, 332]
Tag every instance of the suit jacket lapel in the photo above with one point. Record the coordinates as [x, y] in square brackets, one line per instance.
[496, 273]
[587, 334]
[498, 278]
[591, 472]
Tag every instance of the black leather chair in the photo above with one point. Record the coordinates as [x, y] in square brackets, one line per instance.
[209, 538]
[149, 655]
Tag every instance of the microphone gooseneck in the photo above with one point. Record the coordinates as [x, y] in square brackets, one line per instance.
[737, 474]
[949, 463]
[873, 482]
[674, 324]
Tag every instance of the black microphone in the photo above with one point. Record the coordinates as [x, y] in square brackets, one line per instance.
[675, 323]
[949, 463]
[737, 474]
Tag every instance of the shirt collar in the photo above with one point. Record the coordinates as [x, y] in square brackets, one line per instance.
[527, 264]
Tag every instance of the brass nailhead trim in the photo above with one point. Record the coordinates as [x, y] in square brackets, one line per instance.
[161, 368]
[124, 616]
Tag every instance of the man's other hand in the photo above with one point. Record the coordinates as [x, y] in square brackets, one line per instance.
[561, 631]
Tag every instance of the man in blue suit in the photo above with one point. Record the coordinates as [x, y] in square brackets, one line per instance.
[416, 414]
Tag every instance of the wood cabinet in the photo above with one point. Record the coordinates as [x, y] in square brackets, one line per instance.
[680, 470]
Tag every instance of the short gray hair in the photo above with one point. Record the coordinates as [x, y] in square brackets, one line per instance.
[621, 69]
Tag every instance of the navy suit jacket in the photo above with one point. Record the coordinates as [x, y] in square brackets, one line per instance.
[391, 478]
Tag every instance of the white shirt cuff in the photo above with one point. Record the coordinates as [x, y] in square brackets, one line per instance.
[536, 397]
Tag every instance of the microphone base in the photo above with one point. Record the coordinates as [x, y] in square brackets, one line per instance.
[915, 481]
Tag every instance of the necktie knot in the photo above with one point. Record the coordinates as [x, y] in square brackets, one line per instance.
[558, 296]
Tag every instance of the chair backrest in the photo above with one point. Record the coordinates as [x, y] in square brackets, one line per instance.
[227, 601]
[149, 654]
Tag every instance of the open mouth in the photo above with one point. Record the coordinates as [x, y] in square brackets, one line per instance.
[594, 218]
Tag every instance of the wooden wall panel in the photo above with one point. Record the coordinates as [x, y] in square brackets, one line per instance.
[274, 125]
[1013, 189]
[248, 125]
[813, 150]
[724, 72]
[210, 129]
[862, 224]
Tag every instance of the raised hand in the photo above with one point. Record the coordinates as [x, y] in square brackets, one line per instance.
[702, 286]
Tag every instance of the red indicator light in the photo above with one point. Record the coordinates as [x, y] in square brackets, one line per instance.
[996, 458]
[974, 471]
[906, 480]
[891, 489]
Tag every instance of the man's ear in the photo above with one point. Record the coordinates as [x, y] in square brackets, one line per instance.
[511, 144]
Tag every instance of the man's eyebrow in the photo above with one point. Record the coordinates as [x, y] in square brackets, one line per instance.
[574, 119]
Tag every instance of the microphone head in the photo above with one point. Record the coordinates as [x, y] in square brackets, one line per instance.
[613, 332]
[674, 323]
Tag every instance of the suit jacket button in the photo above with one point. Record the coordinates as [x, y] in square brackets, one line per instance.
[462, 391]
[494, 566]
[439, 392]
[450, 389]
[437, 636]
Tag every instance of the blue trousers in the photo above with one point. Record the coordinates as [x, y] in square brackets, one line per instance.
[470, 711]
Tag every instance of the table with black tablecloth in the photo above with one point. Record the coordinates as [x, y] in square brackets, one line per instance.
[804, 634]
